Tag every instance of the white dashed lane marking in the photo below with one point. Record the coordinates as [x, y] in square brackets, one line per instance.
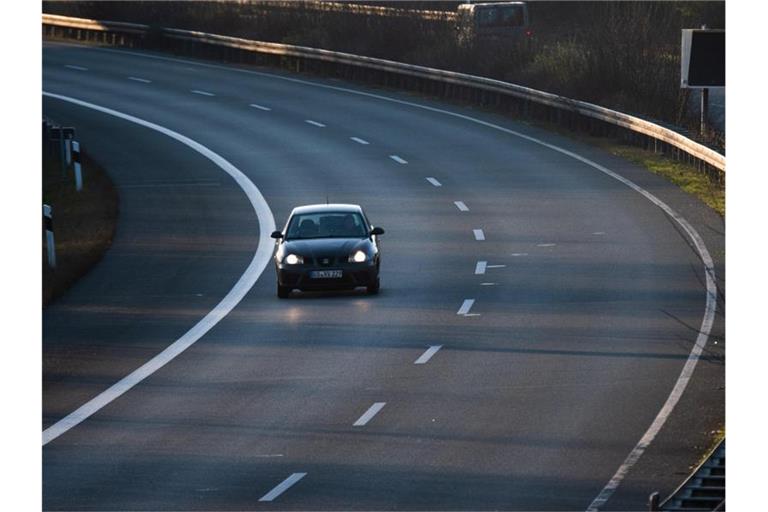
[142, 80]
[434, 182]
[426, 356]
[360, 141]
[260, 107]
[282, 487]
[479, 235]
[77, 68]
[461, 206]
[480, 267]
[314, 123]
[398, 159]
[202, 93]
[465, 307]
[369, 414]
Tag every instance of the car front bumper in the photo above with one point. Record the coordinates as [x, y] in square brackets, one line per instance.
[352, 276]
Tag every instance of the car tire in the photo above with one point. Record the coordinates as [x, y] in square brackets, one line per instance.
[373, 289]
[283, 291]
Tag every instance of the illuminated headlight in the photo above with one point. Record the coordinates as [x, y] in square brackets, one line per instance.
[358, 257]
[292, 259]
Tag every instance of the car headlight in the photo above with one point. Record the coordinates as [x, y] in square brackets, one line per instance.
[292, 259]
[358, 257]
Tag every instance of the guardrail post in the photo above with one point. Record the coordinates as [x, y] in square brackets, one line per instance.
[653, 502]
[62, 153]
[47, 136]
[50, 244]
[78, 169]
[68, 147]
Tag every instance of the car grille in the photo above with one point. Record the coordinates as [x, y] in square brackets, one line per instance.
[325, 261]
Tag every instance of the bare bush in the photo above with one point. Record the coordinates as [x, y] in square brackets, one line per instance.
[623, 55]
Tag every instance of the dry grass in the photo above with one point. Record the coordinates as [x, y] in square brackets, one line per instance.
[84, 222]
[621, 55]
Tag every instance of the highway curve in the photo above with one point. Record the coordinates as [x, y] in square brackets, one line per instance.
[585, 310]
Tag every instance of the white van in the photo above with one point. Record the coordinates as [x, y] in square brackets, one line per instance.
[498, 20]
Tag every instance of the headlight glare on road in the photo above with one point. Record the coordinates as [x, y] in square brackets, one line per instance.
[292, 259]
[358, 257]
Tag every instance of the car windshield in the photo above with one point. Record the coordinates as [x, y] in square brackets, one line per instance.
[326, 225]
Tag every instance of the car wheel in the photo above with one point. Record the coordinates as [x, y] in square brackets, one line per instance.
[283, 291]
[373, 289]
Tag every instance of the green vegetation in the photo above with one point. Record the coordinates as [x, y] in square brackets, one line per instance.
[682, 174]
[686, 176]
[84, 222]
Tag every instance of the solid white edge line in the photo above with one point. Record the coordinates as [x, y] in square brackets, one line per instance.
[260, 107]
[201, 93]
[434, 181]
[709, 269]
[465, 307]
[137, 79]
[369, 414]
[314, 123]
[398, 159]
[359, 140]
[461, 206]
[479, 235]
[282, 487]
[480, 267]
[260, 260]
[427, 355]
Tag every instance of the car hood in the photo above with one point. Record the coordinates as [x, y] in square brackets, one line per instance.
[323, 247]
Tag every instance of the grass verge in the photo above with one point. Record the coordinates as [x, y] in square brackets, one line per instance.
[686, 176]
[83, 222]
[715, 437]
[682, 174]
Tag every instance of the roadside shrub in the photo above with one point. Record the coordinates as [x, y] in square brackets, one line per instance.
[622, 55]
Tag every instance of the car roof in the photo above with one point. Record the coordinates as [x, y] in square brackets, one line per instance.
[334, 207]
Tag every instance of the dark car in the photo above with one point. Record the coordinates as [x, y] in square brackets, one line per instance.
[327, 247]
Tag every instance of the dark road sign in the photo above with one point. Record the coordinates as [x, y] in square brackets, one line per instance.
[702, 59]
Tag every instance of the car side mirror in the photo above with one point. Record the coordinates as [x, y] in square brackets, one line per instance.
[377, 231]
[276, 235]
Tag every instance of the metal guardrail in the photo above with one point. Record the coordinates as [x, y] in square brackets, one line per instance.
[367, 10]
[487, 91]
[703, 490]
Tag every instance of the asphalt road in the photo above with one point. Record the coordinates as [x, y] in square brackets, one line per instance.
[587, 310]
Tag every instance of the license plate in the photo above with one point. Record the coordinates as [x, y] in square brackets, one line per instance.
[325, 274]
